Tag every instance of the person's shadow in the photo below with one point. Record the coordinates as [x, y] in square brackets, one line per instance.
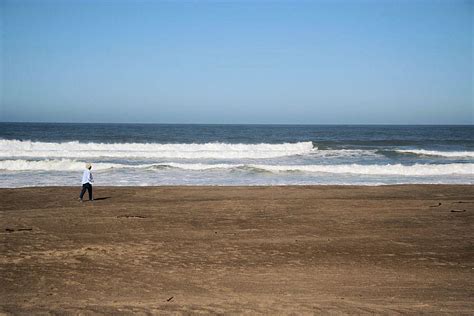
[102, 198]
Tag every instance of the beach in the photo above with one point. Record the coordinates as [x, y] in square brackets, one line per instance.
[234, 250]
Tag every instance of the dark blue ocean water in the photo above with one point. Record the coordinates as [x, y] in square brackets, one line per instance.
[156, 154]
[324, 135]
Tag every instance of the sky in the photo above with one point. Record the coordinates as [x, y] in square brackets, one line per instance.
[230, 62]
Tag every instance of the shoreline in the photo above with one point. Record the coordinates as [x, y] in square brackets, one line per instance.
[243, 186]
[243, 249]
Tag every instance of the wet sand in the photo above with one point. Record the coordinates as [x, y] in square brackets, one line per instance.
[233, 250]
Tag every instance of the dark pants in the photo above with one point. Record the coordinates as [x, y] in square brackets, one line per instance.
[88, 187]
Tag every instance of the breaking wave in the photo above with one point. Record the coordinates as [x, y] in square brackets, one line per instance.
[394, 169]
[450, 154]
[58, 165]
[16, 148]
[389, 169]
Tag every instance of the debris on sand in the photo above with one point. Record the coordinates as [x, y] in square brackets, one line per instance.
[131, 216]
[11, 230]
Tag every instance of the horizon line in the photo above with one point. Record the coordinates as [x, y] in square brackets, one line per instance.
[269, 124]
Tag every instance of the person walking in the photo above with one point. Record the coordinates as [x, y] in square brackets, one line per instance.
[87, 181]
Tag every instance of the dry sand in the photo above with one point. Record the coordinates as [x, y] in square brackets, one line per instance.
[232, 250]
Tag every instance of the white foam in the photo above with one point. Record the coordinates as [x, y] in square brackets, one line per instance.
[58, 165]
[459, 154]
[200, 166]
[389, 169]
[16, 148]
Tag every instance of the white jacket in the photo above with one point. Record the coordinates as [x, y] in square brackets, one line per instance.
[87, 177]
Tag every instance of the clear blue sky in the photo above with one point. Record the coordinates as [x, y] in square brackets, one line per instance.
[301, 62]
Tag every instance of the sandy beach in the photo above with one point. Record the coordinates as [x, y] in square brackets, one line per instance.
[233, 250]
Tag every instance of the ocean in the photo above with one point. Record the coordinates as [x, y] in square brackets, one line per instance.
[53, 154]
